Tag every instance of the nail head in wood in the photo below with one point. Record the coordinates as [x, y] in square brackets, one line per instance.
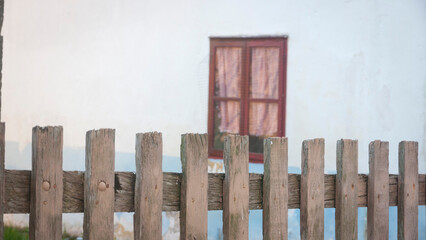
[46, 206]
[46, 185]
[102, 186]
[98, 220]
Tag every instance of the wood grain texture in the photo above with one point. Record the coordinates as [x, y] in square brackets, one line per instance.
[149, 186]
[1, 59]
[17, 191]
[2, 177]
[312, 190]
[236, 188]
[408, 190]
[194, 187]
[99, 185]
[347, 189]
[1, 54]
[73, 200]
[378, 191]
[46, 183]
[275, 188]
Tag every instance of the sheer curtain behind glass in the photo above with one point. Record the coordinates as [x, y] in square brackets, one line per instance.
[263, 113]
[228, 71]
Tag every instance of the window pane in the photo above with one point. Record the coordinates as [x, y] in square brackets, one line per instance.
[264, 72]
[228, 72]
[263, 123]
[226, 121]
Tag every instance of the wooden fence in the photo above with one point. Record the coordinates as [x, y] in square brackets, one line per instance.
[47, 191]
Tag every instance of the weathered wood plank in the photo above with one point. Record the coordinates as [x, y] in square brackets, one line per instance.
[73, 201]
[194, 188]
[378, 191]
[255, 191]
[149, 186]
[17, 191]
[1, 51]
[422, 190]
[46, 183]
[347, 189]
[2, 177]
[215, 193]
[275, 188]
[236, 188]
[99, 185]
[408, 190]
[312, 190]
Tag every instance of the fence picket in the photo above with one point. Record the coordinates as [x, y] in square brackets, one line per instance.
[236, 188]
[378, 191]
[46, 183]
[194, 187]
[347, 189]
[47, 191]
[408, 190]
[148, 186]
[312, 190]
[2, 178]
[99, 185]
[275, 188]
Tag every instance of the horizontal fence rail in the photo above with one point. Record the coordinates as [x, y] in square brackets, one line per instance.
[47, 191]
[18, 182]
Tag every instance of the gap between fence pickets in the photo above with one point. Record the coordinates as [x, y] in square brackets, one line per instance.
[17, 191]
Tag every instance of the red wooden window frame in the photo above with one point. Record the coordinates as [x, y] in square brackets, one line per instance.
[246, 44]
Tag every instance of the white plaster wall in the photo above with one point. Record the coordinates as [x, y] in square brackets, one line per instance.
[356, 69]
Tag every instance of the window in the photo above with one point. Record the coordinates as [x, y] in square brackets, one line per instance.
[246, 91]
